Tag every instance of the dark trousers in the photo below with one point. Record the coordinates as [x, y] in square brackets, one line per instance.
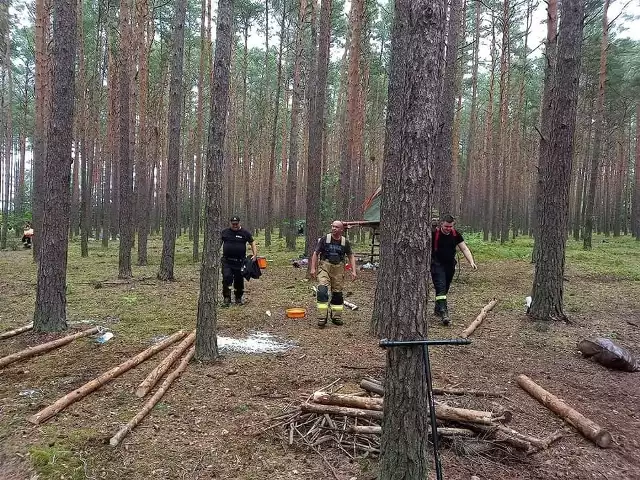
[442, 276]
[231, 275]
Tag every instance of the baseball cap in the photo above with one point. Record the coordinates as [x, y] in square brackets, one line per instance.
[235, 218]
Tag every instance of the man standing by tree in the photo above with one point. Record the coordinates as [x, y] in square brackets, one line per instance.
[445, 239]
[234, 253]
[332, 250]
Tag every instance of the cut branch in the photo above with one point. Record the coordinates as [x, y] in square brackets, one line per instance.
[335, 410]
[162, 368]
[443, 412]
[585, 426]
[15, 331]
[45, 347]
[117, 438]
[483, 313]
[103, 379]
[372, 387]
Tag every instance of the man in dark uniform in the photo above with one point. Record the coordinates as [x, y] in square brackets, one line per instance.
[444, 240]
[234, 253]
[332, 250]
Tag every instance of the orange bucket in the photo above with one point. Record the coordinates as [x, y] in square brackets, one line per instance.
[296, 312]
[262, 262]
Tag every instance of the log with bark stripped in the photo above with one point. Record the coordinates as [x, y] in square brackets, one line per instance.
[483, 313]
[443, 412]
[103, 379]
[375, 386]
[131, 424]
[15, 331]
[588, 428]
[156, 374]
[45, 347]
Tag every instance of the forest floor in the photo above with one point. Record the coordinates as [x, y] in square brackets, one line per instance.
[208, 424]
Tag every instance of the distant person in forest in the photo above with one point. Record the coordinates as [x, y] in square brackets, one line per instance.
[27, 235]
[444, 241]
[234, 254]
[332, 251]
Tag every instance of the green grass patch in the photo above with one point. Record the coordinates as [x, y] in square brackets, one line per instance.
[57, 461]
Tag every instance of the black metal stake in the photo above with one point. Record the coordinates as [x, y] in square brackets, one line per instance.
[430, 397]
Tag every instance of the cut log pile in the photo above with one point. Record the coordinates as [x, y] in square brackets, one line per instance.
[353, 423]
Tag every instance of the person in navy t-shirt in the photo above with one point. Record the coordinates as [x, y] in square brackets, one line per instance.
[234, 253]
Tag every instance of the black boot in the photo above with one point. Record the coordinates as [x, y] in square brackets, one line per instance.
[445, 317]
[226, 302]
[239, 300]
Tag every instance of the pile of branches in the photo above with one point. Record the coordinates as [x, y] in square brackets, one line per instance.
[352, 423]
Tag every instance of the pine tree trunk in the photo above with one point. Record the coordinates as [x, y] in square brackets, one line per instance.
[400, 309]
[42, 88]
[444, 156]
[502, 200]
[125, 214]
[545, 107]
[51, 301]
[294, 135]
[171, 225]
[635, 229]
[317, 129]
[206, 329]
[555, 168]
[597, 140]
[143, 178]
[472, 154]
[274, 135]
[197, 187]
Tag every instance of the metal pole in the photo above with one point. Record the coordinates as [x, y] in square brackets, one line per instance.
[432, 411]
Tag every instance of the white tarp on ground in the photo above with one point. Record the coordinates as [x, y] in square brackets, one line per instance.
[257, 342]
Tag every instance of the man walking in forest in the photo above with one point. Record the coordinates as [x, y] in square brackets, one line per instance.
[234, 253]
[331, 250]
[444, 240]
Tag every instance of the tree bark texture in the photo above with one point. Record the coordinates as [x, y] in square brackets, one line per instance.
[444, 156]
[51, 296]
[125, 215]
[294, 136]
[551, 54]
[206, 340]
[173, 151]
[554, 177]
[42, 89]
[400, 309]
[597, 138]
[316, 130]
[636, 203]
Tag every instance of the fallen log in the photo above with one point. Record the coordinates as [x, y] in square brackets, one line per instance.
[156, 374]
[443, 412]
[491, 431]
[463, 391]
[44, 347]
[375, 386]
[15, 331]
[483, 313]
[584, 425]
[131, 424]
[372, 387]
[103, 379]
[366, 403]
[336, 410]
[442, 431]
